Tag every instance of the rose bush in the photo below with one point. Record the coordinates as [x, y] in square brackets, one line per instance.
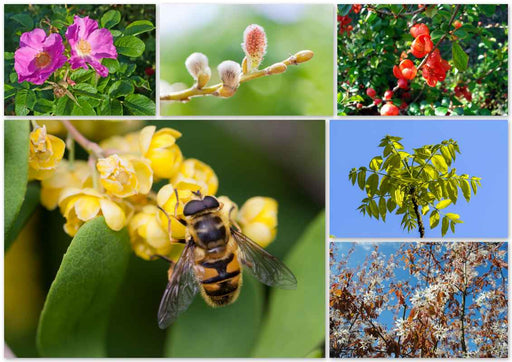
[79, 60]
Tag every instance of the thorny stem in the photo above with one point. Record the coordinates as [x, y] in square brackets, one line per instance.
[185, 95]
[89, 146]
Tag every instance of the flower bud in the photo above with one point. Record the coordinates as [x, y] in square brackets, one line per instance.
[229, 72]
[197, 66]
[254, 46]
[258, 219]
[166, 199]
[147, 235]
[303, 56]
[229, 208]
[277, 68]
[45, 153]
[161, 150]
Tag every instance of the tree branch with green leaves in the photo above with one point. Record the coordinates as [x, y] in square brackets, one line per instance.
[414, 185]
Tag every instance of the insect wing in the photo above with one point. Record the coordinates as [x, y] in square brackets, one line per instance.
[264, 266]
[180, 290]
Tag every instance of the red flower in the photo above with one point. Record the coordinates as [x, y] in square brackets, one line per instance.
[356, 8]
[389, 109]
[435, 68]
[388, 95]
[405, 70]
[343, 22]
[457, 24]
[371, 92]
[419, 29]
[421, 46]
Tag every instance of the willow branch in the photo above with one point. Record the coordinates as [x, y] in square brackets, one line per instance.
[89, 146]
[277, 68]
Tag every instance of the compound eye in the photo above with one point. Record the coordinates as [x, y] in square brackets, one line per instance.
[210, 202]
[193, 207]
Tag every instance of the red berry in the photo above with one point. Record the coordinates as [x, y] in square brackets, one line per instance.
[377, 101]
[359, 106]
[389, 109]
[371, 92]
[457, 24]
[149, 71]
[388, 95]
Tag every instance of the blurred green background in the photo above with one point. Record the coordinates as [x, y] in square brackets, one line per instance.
[217, 31]
[280, 159]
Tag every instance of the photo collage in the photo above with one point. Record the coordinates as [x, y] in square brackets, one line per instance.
[268, 180]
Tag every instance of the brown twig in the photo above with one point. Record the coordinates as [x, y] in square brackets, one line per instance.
[89, 146]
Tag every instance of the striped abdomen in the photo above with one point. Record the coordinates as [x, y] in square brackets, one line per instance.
[220, 280]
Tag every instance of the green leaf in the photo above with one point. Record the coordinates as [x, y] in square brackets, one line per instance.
[460, 33]
[443, 203]
[398, 197]
[374, 208]
[83, 108]
[439, 163]
[64, 106]
[111, 64]
[488, 10]
[24, 101]
[390, 205]
[239, 323]
[444, 227]
[138, 27]
[344, 9]
[24, 19]
[361, 179]
[466, 189]
[121, 88]
[9, 91]
[441, 111]
[375, 163]
[297, 316]
[27, 209]
[110, 108]
[372, 184]
[454, 217]
[382, 208]
[85, 89]
[460, 58]
[137, 104]
[16, 150]
[110, 19]
[130, 46]
[82, 75]
[76, 311]
[434, 219]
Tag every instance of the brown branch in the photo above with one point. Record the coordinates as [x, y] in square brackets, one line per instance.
[89, 146]
[421, 227]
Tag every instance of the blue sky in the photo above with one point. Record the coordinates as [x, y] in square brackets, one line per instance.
[484, 153]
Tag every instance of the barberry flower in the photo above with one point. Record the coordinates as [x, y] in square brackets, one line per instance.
[161, 150]
[229, 72]
[229, 208]
[38, 56]
[197, 66]
[405, 70]
[421, 46]
[195, 172]
[147, 235]
[419, 29]
[65, 176]
[45, 153]
[389, 109]
[254, 46]
[90, 45]
[81, 205]
[258, 219]
[166, 199]
[125, 176]
[128, 143]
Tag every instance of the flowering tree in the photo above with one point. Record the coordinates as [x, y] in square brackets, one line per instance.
[414, 184]
[428, 300]
[422, 59]
[66, 61]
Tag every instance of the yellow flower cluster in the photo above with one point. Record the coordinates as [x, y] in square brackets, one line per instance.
[117, 184]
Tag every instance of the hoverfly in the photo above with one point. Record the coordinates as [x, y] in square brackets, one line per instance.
[211, 261]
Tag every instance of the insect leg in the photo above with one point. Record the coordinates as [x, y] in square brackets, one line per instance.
[182, 222]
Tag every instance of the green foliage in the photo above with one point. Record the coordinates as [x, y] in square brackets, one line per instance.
[133, 30]
[298, 315]
[16, 149]
[30, 203]
[414, 184]
[239, 324]
[477, 52]
[77, 309]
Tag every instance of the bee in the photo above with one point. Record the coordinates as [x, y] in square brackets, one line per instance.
[215, 250]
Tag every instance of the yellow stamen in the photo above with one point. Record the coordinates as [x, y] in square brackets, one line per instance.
[84, 48]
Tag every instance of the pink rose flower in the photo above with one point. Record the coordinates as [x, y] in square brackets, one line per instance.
[90, 45]
[38, 56]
